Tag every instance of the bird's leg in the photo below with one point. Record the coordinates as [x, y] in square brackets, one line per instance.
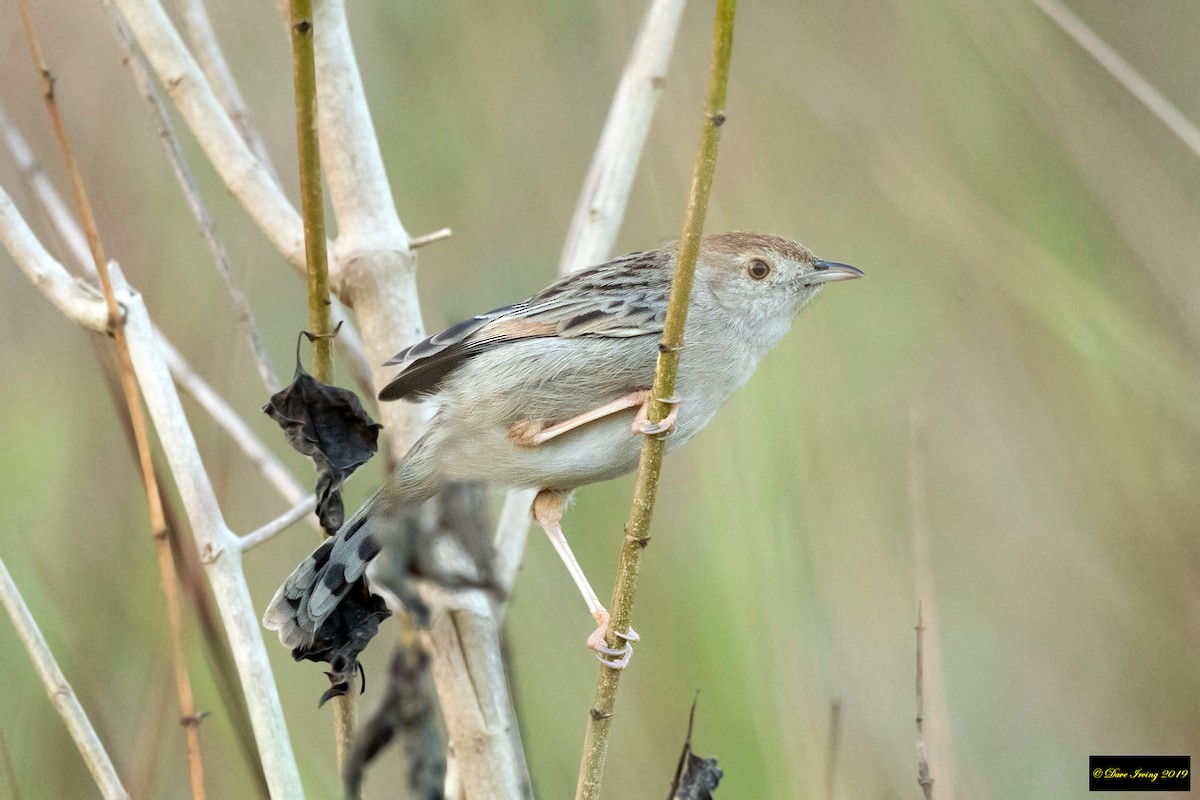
[664, 427]
[547, 511]
[530, 434]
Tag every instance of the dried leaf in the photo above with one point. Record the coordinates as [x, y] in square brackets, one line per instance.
[407, 715]
[328, 424]
[699, 780]
[695, 778]
[343, 636]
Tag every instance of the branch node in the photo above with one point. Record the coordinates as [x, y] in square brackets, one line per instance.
[210, 553]
[193, 720]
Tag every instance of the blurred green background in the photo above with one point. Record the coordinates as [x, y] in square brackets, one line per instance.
[1014, 386]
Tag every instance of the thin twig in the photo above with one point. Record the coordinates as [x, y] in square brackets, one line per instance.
[430, 238]
[75, 300]
[591, 236]
[637, 527]
[312, 200]
[218, 550]
[215, 543]
[312, 204]
[376, 274]
[1125, 74]
[91, 313]
[279, 524]
[200, 33]
[228, 420]
[601, 205]
[937, 745]
[60, 692]
[137, 417]
[923, 778]
[187, 183]
[835, 744]
[246, 177]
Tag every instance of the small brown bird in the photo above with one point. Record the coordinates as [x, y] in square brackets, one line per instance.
[548, 394]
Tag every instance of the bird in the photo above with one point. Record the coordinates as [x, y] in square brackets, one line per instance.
[552, 393]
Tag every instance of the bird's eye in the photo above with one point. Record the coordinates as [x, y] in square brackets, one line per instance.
[758, 269]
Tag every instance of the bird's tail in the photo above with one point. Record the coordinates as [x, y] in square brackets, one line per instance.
[314, 589]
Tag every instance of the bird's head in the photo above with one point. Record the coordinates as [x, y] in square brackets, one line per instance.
[765, 276]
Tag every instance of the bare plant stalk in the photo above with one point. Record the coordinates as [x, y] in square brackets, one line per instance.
[1125, 74]
[637, 527]
[247, 178]
[137, 417]
[923, 778]
[602, 202]
[312, 200]
[278, 525]
[376, 274]
[200, 33]
[68, 230]
[187, 183]
[427, 239]
[60, 692]
[251, 181]
[312, 206]
[599, 213]
[835, 743]
[936, 746]
[217, 546]
[219, 552]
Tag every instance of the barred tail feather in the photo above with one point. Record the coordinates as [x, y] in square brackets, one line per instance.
[314, 589]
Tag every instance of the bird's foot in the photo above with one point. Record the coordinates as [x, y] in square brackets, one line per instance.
[662, 428]
[612, 657]
[526, 433]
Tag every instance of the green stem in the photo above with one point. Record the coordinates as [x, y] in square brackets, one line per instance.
[312, 204]
[637, 527]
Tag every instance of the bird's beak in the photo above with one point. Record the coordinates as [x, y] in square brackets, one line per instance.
[826, 271]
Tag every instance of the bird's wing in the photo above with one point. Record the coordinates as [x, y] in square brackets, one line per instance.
[623, 298]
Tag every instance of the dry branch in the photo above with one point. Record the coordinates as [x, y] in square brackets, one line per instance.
[211, 58]
[376, 274]
[600, 211]
[248, 178]
[637, 527]
[923, 778]
[137, 419]
[1124, 73]
[187, 184]
[216, 543]
[601, 206]
[60, 692]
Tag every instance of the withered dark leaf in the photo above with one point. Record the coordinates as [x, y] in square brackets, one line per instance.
[407, 715]
[343, 636]
[328, 424]
[695, 778]
[700, 779]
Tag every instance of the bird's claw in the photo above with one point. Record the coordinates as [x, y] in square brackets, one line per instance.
[664, 427]
[612, 657]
